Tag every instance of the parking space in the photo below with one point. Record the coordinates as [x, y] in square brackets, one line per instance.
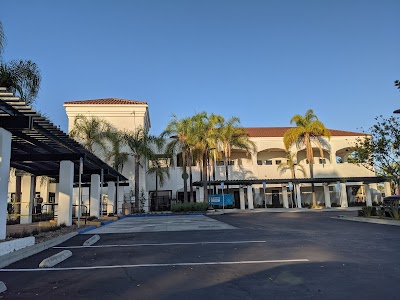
[285, 255]
[162, 223]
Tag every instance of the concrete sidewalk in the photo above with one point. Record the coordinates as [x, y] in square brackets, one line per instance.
[282, 210]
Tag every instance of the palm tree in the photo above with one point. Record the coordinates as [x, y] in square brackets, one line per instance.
[91, 132]
[2, 38]
[231, 135]
[21, 77]
[206, 134]
[292, 166]
[160, 172]
[179, 130]
[308, 131]
[140, 143]
[116, 156]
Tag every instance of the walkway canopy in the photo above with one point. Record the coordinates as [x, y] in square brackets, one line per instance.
[247, 182]
[38, 145]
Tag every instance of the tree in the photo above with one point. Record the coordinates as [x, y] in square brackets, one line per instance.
[21, 77]
[231, 135]
[379, 151]
[161, 171]
[292, 166]
[116, 156]
[91, 132]
[397, 84]
[140, 143]
[180, 131]
[2, 38]
[308, 132]
[206, 129]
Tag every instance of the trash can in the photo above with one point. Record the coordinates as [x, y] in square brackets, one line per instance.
[126, 208]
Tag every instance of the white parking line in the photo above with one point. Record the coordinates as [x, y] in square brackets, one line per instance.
[161, 265]
[162, 244]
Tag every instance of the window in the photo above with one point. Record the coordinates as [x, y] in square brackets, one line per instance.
[322, 161]
[259, 162]
[231, 163]
[268, 162]
[278, 161]
[220, 163]
[179, 160]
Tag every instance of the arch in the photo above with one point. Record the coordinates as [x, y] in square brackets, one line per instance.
[342, 155]
[302, 156]
[271, 156]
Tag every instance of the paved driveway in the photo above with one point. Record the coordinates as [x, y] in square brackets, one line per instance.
[162, 223]
[268, 256]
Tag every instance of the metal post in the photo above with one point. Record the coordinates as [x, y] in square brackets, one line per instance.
[265, 196]
[116, 198]
[101, 192]
[215, 169]
[80, 190]
[223, 201]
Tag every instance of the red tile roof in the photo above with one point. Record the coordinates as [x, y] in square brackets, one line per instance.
[280, 131]
[106, 101]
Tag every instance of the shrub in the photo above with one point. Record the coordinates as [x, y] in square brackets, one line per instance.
[186, 207]
[393, 211]
[12, 222]
[367, 211]
[21, 234]
[91, 218]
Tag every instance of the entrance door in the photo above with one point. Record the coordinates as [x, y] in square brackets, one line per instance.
[236, 199]
[275, 198]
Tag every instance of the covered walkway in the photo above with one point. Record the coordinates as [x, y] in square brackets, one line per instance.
[32, 144]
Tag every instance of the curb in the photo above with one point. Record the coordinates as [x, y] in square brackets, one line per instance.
[87, 229]
[368, 220]
[55, 259]
[106, 222]
[10, 258]
[160, 215]
[3, 287]
[92, 240]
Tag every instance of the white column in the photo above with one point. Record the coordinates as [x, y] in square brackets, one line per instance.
[327, 196]
[95, 195]
[241, 196]
[257, 197]
[374, 192]
[343, 195]
[56, 199]
[5, 155]
[298, 195]
[44, 188]
[285, 199]
[28, 193]
[201, 194]
[65, 192]
[111, 197]
[250, 197]
[197, 194]
[368, 198]
[388, 190]
[120, 200]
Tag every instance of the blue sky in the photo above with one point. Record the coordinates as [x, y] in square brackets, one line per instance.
[263, 61]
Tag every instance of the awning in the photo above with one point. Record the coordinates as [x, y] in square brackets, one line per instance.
[38, 145]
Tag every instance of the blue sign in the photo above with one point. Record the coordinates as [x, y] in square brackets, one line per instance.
[217, 199]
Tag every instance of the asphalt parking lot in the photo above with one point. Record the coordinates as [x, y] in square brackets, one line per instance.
[256, 256]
